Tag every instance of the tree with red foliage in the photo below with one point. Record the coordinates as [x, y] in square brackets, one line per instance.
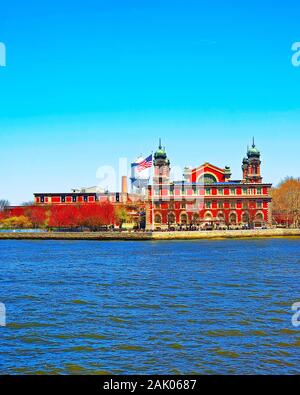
[63, 216]
[37, 216]
[92, 216]
[95, 216]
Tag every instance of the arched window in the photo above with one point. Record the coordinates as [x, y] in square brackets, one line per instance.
[245, 218]
[207, 178]
[232, 218]
[157, 219]
[259, 217]
[208, 216]
[171, 218]
[183, 219]
[221, 216]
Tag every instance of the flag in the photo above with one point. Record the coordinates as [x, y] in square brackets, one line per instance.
[145, 164]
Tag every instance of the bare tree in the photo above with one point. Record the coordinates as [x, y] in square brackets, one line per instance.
[25, 204]
[3, 204]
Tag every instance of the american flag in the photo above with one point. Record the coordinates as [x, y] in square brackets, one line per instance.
[145, 164]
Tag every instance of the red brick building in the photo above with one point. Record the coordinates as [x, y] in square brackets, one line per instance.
[207, 197]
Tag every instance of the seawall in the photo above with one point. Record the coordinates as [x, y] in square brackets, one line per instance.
[228, 234]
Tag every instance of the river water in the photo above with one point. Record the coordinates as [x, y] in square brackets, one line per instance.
[178, 307]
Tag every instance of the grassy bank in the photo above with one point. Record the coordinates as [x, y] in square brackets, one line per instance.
[228, 234]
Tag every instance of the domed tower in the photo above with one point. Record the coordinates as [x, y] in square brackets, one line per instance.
[251, 165]
[245, 167]
[161, 166]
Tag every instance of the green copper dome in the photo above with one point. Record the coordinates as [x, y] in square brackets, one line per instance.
[160, 156]
[160, 153]
[253, 152]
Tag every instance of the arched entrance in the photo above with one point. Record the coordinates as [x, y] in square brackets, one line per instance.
[171, 218]
[245, 218]
[232, 218]
[196, 219]
[259, 220]
[183, 219]
[157, 219]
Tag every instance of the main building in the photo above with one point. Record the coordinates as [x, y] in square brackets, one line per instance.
[207, 196]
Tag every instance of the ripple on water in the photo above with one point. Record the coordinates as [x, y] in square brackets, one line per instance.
[225, 353]
[25, 325]
[175, 346]
[128, 347]
[224, 333]
[118, 320]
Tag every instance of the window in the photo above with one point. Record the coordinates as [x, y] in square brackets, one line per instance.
[183, 205]
[157, 219]
[183, 219]
[220, 205]
[207, 191]
[232, 205]
[245, 205]
[220, 191]
[245, 191]
[85, 199]
[171, 218]
[258, 191]
[208, 204]
[74, 199]
[63, 199]
[258, 204]
[232, 191]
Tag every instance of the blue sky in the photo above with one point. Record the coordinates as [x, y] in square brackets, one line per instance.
[89, 82]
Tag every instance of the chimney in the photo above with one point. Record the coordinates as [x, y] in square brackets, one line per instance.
[124, 184]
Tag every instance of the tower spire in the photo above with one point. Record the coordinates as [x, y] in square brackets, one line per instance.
[253, 142]
[160, 147]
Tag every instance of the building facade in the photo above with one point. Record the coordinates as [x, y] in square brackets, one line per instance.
[207, 197]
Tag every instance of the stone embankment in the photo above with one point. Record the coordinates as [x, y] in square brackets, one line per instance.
[185, 235]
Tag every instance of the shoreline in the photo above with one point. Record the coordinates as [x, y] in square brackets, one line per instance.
[154, 236]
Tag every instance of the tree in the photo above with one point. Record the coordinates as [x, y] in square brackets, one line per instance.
[286, 202]
[121, 216]
[3, 204]
[25, 204]
[92, 216]
[95, 216]
[37, 215]
[63, 216]
[21, 222]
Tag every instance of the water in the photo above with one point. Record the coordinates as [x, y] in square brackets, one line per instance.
[150, 307]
